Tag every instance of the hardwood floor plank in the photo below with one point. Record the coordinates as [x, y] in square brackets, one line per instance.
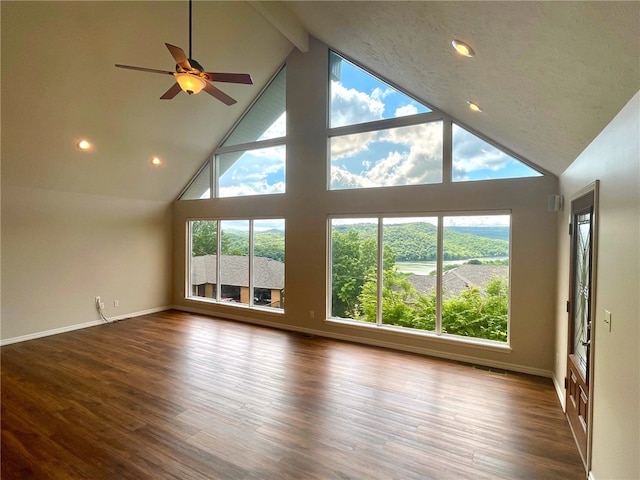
[181, 396]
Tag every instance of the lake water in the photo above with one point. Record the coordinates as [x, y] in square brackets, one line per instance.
[425, 268]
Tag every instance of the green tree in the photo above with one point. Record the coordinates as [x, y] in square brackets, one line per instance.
[469, 314]
[398, 296]
[204, 237]
[354, 261]
[474, 315]
[269, 245]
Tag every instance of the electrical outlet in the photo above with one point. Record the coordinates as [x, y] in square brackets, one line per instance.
[312, 314]
[116, 303]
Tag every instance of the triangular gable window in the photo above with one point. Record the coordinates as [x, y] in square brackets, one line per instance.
[266, 118]
[358, 97]
[476, 159]
[200, 186]
[251, 160]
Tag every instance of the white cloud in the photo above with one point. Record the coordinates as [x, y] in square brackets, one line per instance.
[342, 179]
[254, 188]
[380, 94]
[477, 221]
[421, 164]
[471, 153]
[351, 145]
[277, 153]
[350, 106]
[416, 160]
[405, 111]
[277, 129]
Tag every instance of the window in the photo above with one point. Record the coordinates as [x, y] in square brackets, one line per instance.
[200, 186]
[397, 146]
[250, 268]
[409, 155]
[252, 159]
[358, 96]
[381, 137]
[475, 159]
[252, 172]
[393, 272]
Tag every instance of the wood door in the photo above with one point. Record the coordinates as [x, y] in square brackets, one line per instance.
[581, 295]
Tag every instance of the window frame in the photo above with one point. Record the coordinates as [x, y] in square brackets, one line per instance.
[437, 334]
[212, 161]
[217, 299]
[426, 117]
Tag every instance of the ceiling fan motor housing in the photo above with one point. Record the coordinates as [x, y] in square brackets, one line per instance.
[194, 65]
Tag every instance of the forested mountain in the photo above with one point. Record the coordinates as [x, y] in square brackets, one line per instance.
[408, 241]
[417, 241]
[501, 233]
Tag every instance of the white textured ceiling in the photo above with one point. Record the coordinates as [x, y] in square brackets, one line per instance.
[549, 76]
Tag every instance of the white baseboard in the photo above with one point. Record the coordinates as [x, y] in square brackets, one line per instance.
[591, 476]
[560, 391]
[70, 328]
[378, 343]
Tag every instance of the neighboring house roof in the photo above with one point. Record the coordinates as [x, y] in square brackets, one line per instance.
[455, 281]
[234, 270]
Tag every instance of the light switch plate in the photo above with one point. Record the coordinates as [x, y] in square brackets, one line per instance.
[607, 318]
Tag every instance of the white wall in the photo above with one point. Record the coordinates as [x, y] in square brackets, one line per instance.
[307, 204]
[60, 250]
[613, 158]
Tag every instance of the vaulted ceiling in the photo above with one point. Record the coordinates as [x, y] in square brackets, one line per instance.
[548, 75]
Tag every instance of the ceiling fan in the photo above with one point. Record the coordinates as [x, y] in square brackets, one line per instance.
[191, 77]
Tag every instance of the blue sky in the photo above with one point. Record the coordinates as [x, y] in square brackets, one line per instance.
[409, 155]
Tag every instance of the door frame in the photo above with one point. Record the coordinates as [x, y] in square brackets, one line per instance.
[594, 188]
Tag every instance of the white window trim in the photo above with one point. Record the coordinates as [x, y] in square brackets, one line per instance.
[437, 334]
[188, 294]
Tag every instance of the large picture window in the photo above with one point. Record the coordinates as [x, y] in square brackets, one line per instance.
[448, 275]
[238, 262]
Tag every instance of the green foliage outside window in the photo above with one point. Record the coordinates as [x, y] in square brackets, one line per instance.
[355, 295]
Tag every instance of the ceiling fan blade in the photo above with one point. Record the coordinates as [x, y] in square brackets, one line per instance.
[219, 94]
[178, 55]
[142, 69]
[230, 77]
[172, 92]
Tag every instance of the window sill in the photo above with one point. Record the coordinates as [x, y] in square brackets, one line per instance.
[405, 332]
[210, 301]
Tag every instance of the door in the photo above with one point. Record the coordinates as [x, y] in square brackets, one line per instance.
[580, 306]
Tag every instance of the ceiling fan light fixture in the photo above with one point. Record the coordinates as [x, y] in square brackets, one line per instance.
[190, 83]
[463, 48]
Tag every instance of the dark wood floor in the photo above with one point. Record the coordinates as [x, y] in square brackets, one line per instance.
[181, 396]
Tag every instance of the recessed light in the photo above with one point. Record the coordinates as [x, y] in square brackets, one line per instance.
[83, 144]
[463, 48]
[474, 106]
[155, 161]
